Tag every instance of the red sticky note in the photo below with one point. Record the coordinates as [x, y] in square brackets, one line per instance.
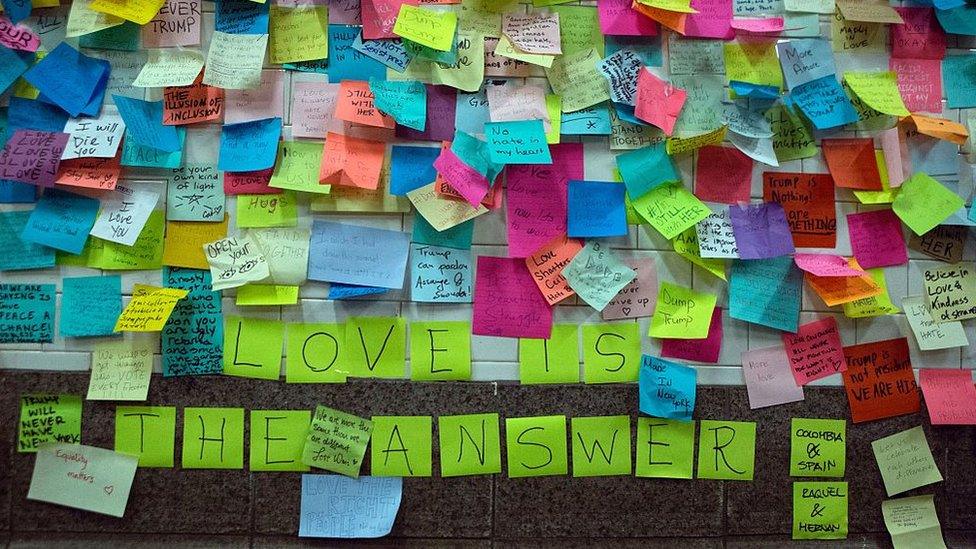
[723, 174]
[249, 182]
[877, 239]
[507, 302]
[808, 200]
[852, 163]
[919, 83]
[950, 396]
[355, 103]
[379, 16]
[815, 351]
[546, 267]
[658, 101]
[879, 380]
[699, 350]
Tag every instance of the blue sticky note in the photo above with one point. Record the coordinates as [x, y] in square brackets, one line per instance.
[959, 20]
[390, 52]
[192, 341]
[139, 156]
[14, 192]
[249, 146]
[645, 169]
[766, 292]
[666, 389]
[626, 113]
[12, 65]
[17, 254]
[439, 274]
[17, 10]
[471, 112]
[30, 114]
[336, 506]
[339, 291]
[94, 105]
[824, 102]
[31, 308]
[754, 91]
[458, 236]
[90, 305]
[241, 17]
[354, 254]
[596, 209]
[345, 63]
[61, 220]
[69, 79]
[144, 124]
[593, 120]
[959, 81]
[648, 48]
[411, 168]
[517, 142]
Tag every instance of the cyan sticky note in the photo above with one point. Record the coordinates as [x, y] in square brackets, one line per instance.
[390, 52]
[90, 305]
[648, 48]
[17, 254]
[124, 37]
[139, 156]
[12, 65]
[336, 506]
[593, 120]
[645, 169]
[338, 290]
[458, 236]
[411, 168]
[471, 112]
[474, 152]
[958, 20]
[666, 389]
[61, 220]
[249, 146]
[345, 63]
[69, 79]
[241, 17]
[144, 124]
[824, 102]
[34, 319]
[596, 209]
[517, 142]
[439, 274]
[766, 292]
[959, 80]
[30, 114]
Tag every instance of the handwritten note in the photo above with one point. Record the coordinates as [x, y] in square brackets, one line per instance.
[950, 396]
[949, 291]
[334, 506]
[768, 378]
[48, 418]
[667, 389]
[83, 477]
[879, 380]
[336, 441]
[815, 351]
[905, 461]
[120, 373]
[507, 302]
[149, 308]
[596, 274]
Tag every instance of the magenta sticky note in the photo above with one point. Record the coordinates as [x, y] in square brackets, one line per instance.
[713, 20]
[877, 239]
[699, 350]
[33, 157]
[464, 179]
[507, 302]
[617, 18]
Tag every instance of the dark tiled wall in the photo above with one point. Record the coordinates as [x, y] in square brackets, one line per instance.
[196, 508]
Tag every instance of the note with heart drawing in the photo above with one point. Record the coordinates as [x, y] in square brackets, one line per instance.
[83, 477]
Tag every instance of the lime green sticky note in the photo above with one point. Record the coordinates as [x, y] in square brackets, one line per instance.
[434, 29]
[579, 28]
[671, 209]
[665, 448]
[440, 351]
[923, 203]
[252, 347]
[297, 167]
[536, 446]
[611, 352]
[315, 353]
[266, 294]
[601, 446]
[553, 360]
[145, 254]
[554, 106]
[337, 441]
[148, 432]
[879, 90]
[213, 438]
[819, 510]
[727, 450]
[277, 439]
[818, 447]
[876, 305]
[470, 445]
[792, 137]
[682, 313]
[886, 195]
[376, 346]
[48, 418]
[267, 210]
[401, 446]
[686, 245]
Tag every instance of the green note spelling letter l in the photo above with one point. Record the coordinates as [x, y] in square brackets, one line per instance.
[213, 438]
[536, 446]
[148, 432]
[727, 450]
[401, 446]
[470, 445]
[252, 347]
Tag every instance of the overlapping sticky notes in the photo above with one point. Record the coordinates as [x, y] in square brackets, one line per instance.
[442, 213]
[143, 123]
[671, 209]
[638, 298]
[12, 65]
[815, 350]
[434, 29]
[575, 78]
[352, 161]
[877, 239]
[145, 253]
[533, 32]
[354, 254]
[929, 334]
[596, 274]
[249, 146]
[184, 242]
[83, 477]
[768, 379]
[149, 308]
[825, 265]
[716, 238]
[32, 157]
[356, 103]
[818, 447]
[700, 350]
[15, 253]
[298, 33]
[235, 261]
[922, 203]
[820, 510]
[681, 313]
[61, 220]
[913, 522]
[525, 313]
[805, 60]
[405, 101]
[197, 102]
[877, 304]
[402, 446]
[99, 137]
[334, 506]
[536, 446]
[667, 389]
[949, 292]
[879, 90]
[836, 290]
[411, 168]
[336, 441]
[547, 264]
[761, 230]
[766, 292]
[459, 456]
[517, 142]
[792, 136]
[905, 461]
[658, 102]
[726, 450]
[950, 396]
[119, 372]
[71, 80]
[723, 174]
[552, 360]
[596, 209]
[48, 418]
[879, 380]
[147, 432]
[852, 163]
[234, 61]
[540, 191]
[824, 102]
[170, 67]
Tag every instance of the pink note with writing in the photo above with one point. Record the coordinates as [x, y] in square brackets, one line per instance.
[920, 37]
[467, 181]
[177, 23]
[768, 378]
[950, 396]
[249, 182]
[536, 198]
[617, 18]
[723, 174]
[379, 16]
[33, 157]
[713, 20]
[919, 83]
[877, 239]
[658, 101]
[758, 25]
[699, 350]
[344, 12]
[507, 302]
[17, 37]
[815, 350]
[825, 265]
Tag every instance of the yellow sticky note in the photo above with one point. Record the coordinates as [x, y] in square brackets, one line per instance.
[754, 62]
[137, 11]
[82, 19]
[680, 6]
[298, 34]
[149, 308]
[682, 313]
[427, 27]
[442, 213]
[506, 49]
[266, 294]
[183, 245]
[879, 90]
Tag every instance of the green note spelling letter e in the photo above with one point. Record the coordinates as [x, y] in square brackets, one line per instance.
[337, 441]
[440, 351]
[536, 446]
[470, 445]
[601, 446]
[727, 450]
[148, 432]
[665, 448]
[213, 438]
[401, 446]
[819, 510]
[277, 439]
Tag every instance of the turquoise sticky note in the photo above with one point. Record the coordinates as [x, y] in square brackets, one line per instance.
[666, 389]
[593, 120]
[33, 318]
[471, 112]
[61, 220]
[16, 253]
[139, 156]
[518, 142]
[645, 169]
[958, 20]
[90, 305]
[458, 236]
[766, 292]
[959, 81]
[345, 63]
[474, 152]
[249, 146]
[124, 37]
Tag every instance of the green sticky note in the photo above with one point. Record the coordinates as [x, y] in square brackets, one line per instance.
[792, 136]
[401, 446]
[315, 354]
[148, 432]
[601, 446]
[213, 438]
[579, 28]
[252, 347]
[536, 446]
[923, 203]
[277, 439]
[727, 450]
[267, 210]
[682, 313]
[470, 445]
[818, 447]
[819, 510]
[611, 352]
[297, 167]
[337, 441]
[145, 254]
[905, 461]
[266, 294]
[670, 209]
[48, 418]
[665, 448]
[440, 351]
[553, 360]
[376, 346]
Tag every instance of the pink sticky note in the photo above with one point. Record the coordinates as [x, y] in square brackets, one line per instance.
[877, 239]
[897, 160]
[919, 82]
[699, 350]
[713, 20]
[33, 157]
[464, 179]
[639, 297]
[176, 24]
[825, 265]
[536, 198]
[249, 182]
[815, 351]
[723, 174]
[658, 102]
[265, 101]
[379, 16]
[769, 380]
[17, 37]
[507, 303]
[758, 25]
[921, 37]
[343, 12]
[617, 18]
[950, 396]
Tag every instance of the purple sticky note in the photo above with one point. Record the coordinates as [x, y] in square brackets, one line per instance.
[699, 350]
[441, 104]
[877, 239]
[761, 230]
[32, 157]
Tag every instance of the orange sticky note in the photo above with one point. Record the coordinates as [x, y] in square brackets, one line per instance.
[92, 173]
[837, 290]
[351, 161]
[852, 163]
[547, 264]
[197, 102]
[940, 128]
[184, 242]
[879, 380]
[671, 19]
[355, 103]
